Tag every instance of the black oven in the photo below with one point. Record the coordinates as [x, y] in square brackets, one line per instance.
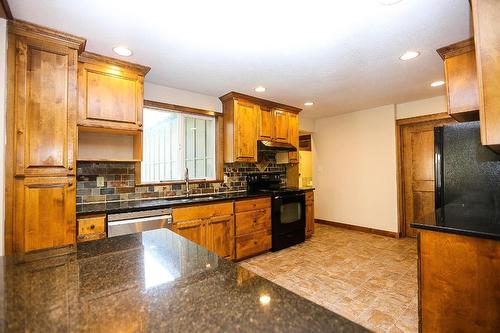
[288, 219]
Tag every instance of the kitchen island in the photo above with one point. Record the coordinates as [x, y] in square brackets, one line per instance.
[153, 281]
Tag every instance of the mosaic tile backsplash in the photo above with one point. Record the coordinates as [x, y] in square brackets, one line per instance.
[119, 182]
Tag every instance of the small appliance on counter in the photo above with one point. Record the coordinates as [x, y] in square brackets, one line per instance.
[287, 212]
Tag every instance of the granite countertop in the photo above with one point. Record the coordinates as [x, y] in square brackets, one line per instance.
[151, 281]
[134, 205]
[475, 226]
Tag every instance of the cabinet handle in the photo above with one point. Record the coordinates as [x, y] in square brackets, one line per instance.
[19, 132]
[70, 167]
[70, 184]
[92, 227]
[139, 124]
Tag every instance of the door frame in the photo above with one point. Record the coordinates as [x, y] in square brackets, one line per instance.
[400, 124]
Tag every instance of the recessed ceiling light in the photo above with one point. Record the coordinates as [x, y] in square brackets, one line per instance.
[389, 2]
[123, 51]
[260, 89]
[409, 55]
[437, 84]
[309, 103]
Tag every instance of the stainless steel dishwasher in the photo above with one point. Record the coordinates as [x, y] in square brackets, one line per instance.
[132, 222]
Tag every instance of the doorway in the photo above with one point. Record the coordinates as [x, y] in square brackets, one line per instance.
[305, 161]
[416, 168]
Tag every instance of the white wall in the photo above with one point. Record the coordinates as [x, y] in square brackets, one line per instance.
[3, 87]
[164, 94]
[421, 107]
[354, 163]
[306, 124]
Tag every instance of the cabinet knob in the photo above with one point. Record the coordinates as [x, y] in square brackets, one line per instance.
[92, 227]
[19, 132]
[139, 124]
[70, 184]
[70, 167]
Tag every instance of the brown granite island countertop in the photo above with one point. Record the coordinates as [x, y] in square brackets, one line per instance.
[154, 281]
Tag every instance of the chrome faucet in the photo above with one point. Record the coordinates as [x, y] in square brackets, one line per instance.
[186, 178]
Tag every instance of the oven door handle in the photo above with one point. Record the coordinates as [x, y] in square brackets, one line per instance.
[284, 196]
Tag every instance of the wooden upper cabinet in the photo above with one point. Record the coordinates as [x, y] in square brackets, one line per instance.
[248, 119]
[45, 95]
[266, 124]
[111, 93]
[461, 80]
[485, 15]
[45, 212]
[293, 137]
[281, 130]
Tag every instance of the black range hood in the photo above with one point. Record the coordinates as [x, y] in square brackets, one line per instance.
[275, 146]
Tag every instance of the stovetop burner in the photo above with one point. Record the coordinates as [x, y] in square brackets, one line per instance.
[268, 183]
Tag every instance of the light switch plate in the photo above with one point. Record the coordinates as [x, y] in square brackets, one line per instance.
[100, 181]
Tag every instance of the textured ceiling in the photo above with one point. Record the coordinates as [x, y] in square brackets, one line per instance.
[341, 54]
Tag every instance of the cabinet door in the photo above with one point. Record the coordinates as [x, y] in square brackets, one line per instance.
[194, 230]
[461, 83]
[220, 235]
[45, 213]
[45, 108]
[266, 123]
[110, 97]
[487, 40]
[246, 117]
[309, 214]
[281, 126]
[293, 136]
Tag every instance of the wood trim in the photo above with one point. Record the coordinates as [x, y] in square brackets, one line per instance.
[97, 59]
[28, 29]
[180, 108]
[421, 119]
[259, 101]
[358, 228]
[456, 49]
[6, 10]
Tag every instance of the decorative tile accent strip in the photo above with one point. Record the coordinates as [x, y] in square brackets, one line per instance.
[119, 182]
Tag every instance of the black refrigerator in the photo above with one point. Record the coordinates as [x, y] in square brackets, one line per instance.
[467, 178]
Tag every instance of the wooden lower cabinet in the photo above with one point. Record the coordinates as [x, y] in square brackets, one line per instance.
[309, 214]
[91, 227]
[252, 227]
[211, 226]
[45, 213]
[459, 283]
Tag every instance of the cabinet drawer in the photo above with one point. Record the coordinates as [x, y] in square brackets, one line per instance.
[252, 244]
[91, 227]
[252, 204]
[202, 211]
[253, 221]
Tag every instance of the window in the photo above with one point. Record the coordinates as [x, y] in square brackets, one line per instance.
[174, 141]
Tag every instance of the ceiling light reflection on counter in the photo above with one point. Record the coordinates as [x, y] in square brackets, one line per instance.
[437, 83]
[409, 55]
[260, 89]
[264, 299]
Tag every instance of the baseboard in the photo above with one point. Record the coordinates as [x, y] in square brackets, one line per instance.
[358, 228]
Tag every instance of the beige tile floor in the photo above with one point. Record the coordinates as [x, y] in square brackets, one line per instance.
[366, 278]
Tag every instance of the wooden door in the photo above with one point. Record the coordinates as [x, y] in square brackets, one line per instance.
[109, 97]
[45, 212]
[266, 128]
[246, 117]
[418, 172]
[280, 126]
[220, 235]
[194, 230]
[293, 136]
[45, 108]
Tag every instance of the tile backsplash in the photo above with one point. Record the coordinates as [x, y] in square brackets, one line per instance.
[120, 182]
